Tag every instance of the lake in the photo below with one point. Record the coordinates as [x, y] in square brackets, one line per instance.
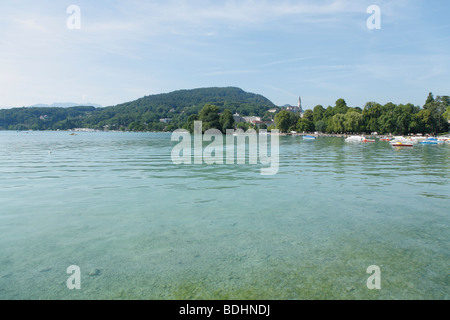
[141, 227]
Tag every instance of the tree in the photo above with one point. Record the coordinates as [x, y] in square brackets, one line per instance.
[190, 123]
[306, 123]
[329, 112]
[336, 124]
[416, 125]
[308, 115]
[443, 103]
[226, 121]
[209, 115]
[244, 126]
[425, 120]
[372, 111]
[386, 124]
[402, 117]
[430, 99]
[283, 120]
[437, 108]
[320, 126]
[447, 114]
[341, 107]
[353, 121]
[318, 113]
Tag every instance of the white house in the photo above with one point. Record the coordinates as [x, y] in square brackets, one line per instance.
[297, 109]
[252, 119]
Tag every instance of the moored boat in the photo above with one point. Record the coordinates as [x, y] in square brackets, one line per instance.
[432, 141]
[359, 139]
[402, 144]
[356, 139]
[403, 141]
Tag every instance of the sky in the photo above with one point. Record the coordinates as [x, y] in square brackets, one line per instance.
[322, 50]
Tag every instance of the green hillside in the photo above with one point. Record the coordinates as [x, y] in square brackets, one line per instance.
[143, 114]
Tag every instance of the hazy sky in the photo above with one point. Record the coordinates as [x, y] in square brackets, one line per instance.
[321, 50]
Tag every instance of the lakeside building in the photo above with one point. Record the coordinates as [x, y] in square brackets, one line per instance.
[165, 120]
[256, 121]
[251, 119]
[297, 109]
[260, 123]
[238, 118]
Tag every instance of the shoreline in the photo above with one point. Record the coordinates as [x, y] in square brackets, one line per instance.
[329, 135]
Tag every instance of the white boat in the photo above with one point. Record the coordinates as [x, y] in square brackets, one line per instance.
[356, 139]
[309, 138]
[402, 141]
[417, 139]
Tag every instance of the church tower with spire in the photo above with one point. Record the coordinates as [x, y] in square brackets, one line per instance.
[300, 109]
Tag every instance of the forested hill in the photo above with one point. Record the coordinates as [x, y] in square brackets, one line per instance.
[222, 97]
[144, 114]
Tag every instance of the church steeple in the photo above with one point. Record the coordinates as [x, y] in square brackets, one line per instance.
[300, 109]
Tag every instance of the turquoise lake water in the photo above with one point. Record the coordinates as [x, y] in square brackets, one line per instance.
[141, 227]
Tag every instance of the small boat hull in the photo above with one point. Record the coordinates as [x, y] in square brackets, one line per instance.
[431, 141]
[428, 142]
[356, 139]
[402, 145]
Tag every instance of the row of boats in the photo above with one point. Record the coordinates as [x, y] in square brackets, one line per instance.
[401, 141]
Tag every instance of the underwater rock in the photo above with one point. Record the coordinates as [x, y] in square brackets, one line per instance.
[95, 273]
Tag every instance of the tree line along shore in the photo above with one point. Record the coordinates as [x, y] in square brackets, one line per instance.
[217, 108]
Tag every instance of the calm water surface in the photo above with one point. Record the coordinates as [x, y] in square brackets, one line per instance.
[140, 227]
